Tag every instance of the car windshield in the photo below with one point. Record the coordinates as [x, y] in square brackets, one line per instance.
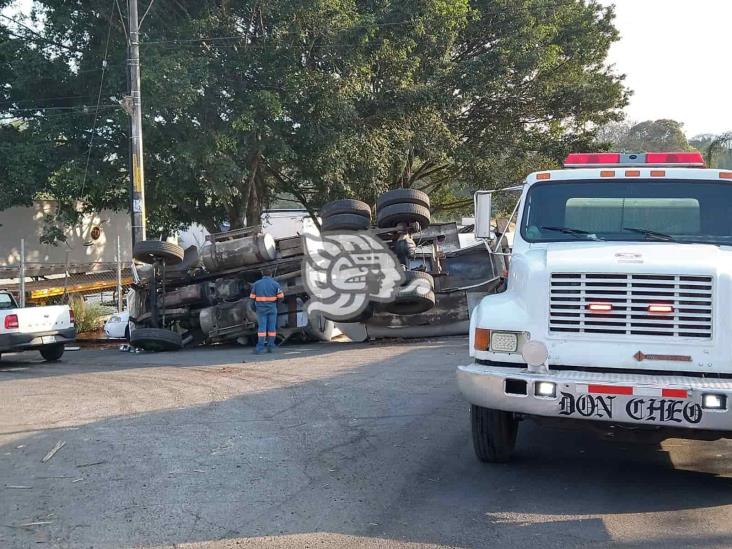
[629, 210]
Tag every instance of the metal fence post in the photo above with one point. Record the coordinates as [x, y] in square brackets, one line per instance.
[119, 276]
[22, 272]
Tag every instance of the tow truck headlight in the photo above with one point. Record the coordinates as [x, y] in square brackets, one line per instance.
[504, 342]
[714, 402]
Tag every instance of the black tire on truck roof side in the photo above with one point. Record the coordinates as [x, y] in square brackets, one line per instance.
[390, 216]
[147, 251]
[345, 206]
[403, 196]
[156, 339]
[345, 222]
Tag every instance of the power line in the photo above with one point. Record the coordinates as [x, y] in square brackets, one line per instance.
[145, 14]
[122, 20]
[99, 99]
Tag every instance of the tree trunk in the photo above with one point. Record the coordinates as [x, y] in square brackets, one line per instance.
[254, 198]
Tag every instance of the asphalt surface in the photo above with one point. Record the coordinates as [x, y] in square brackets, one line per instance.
[329, 445]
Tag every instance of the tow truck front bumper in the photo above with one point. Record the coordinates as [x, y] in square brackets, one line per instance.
[622, 398]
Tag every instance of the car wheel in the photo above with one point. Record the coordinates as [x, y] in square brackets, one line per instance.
[390, 216]
[346, 206]
[494, 434]
[156, 339]
[402, 196]
[345, 222]
[51, 353]
[148, 251]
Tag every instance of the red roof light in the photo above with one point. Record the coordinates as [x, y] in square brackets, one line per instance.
[676, 158]
[604, 160]
[581, 159]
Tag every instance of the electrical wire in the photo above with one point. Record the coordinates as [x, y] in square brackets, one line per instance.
[99, 100]
[145, 14]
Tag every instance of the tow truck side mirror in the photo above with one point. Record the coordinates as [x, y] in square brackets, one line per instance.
[482, 202]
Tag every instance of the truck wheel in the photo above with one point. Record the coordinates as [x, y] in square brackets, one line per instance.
[494, 434]
[409, 301]
[345, 222]
[390, 216]
[148, 251]
[51, 353]
[403, 196]
[156, 339]
[345, 206]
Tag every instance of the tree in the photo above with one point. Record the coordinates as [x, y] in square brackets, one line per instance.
[250, 102]
[650, 135]
[717, 149]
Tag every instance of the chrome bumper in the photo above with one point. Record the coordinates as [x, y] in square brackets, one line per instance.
[666, 401]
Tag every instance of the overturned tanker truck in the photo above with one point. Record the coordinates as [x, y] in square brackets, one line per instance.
[195, 296]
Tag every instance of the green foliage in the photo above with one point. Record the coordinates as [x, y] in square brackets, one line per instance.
[246, 102]
[88, 317]
[650, 135]
[717, 149]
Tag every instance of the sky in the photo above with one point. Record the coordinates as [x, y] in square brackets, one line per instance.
[677, 58]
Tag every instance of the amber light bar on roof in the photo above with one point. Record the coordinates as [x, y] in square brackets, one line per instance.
[650, 159]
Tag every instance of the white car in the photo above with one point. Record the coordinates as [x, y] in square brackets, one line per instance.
[118, 326]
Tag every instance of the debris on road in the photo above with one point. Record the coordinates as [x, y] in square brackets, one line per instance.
[60, 444]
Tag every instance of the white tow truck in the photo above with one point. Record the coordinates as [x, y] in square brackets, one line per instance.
[616, 311]
[45, 329]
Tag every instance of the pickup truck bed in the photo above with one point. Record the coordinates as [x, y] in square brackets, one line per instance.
[45, 329]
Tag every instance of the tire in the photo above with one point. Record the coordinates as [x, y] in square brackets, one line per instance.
[494, 434]
[51, 353]
[390, 216]
[410, 302]
[156, 339]
[402, 196]
[345, 222]
[345, 206]
[148, 251]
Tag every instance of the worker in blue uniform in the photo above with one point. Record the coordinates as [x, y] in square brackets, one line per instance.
[266, 292]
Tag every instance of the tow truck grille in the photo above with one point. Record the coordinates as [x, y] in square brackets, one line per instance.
[629, 297]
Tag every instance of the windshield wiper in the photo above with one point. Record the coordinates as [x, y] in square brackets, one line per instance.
[571, 231]
[652, 234]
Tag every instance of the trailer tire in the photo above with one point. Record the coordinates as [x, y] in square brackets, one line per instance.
[402, 196]
[51, 353]
[156, 339]
[345, 222]
[148, 251]
[346, 206]
[392, 215]
[494, 434]
[409, 301]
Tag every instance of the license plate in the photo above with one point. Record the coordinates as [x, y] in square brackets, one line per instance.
[48, 339]
[630, 404]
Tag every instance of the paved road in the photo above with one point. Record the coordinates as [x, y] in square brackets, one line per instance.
[320, 446]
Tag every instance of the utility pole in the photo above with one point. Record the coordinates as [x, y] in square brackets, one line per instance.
[137, 172]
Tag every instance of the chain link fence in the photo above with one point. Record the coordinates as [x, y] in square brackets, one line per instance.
[96, 286]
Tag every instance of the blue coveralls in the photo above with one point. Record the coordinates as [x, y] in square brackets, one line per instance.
[266, 292]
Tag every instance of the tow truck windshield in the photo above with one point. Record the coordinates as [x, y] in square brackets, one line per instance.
[638, 210]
